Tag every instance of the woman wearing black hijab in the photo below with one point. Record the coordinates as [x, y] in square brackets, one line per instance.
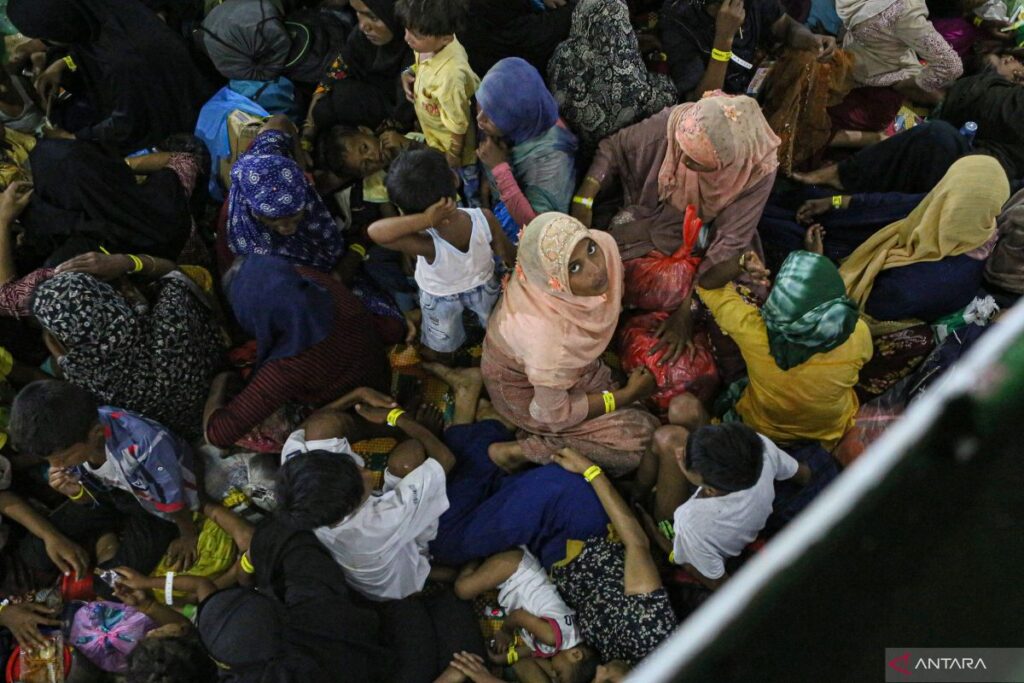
[131, 79]
[299, 626]
[364, 89]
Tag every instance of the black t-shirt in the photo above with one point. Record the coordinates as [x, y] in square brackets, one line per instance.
[688, 34]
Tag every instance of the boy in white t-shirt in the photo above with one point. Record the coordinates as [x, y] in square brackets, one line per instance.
[378, 538]
[734, 469]
[538, 623]
[454, 248]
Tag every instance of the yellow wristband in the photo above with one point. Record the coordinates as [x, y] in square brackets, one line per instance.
[978, 21]
[609, 401]
[720, 55]
[246, 563]
[592, 472]
[136, 263]
[393, 416]
[837, 201]
[81, 492]
[359, 249]
[513, 655]
[585, 201]
[306, 144]
[71, 63]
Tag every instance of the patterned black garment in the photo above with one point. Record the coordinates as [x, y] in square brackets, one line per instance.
[156, 362]
[619, 626]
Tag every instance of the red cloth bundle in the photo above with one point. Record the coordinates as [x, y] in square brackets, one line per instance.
[697, 375]
[657, 282]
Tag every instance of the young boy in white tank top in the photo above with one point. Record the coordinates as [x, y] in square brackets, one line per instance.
[454, 248]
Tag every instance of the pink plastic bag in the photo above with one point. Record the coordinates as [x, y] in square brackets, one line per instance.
[697, 375]
[657, 282]
[107, 632]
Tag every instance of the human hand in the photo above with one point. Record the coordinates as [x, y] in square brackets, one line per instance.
[55, 133]
[641, 383]
[24, 620]
[408, 85]
[48, 82]
[752, 266]
[411, 329]
[63, 482]
[14, 200]
[133, 579]
[730, 18]
[814, 239]
[674, 335]
[813, 208]
[572, 460]
[826, 48]
[441, 212]
[182, 553]
[372, 397]
[133, 597]
[67, 555]
[473, 667]
[492, 152]
[391, 143]
[102, 266]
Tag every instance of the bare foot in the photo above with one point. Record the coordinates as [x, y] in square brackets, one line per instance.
[828, 175]
[430, 417]
[814, 239]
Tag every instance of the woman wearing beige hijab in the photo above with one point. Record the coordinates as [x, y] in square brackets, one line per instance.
[542, 355]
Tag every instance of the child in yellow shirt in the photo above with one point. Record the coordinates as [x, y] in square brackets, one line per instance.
[440, 84]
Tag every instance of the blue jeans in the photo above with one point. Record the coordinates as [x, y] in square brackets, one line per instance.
[442, 315]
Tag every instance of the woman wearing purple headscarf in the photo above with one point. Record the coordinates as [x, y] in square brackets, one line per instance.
[273, 209]
[529, 151]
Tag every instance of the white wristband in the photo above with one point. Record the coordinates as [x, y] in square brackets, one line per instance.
[169, 589]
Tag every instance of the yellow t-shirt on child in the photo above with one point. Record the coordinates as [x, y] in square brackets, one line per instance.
[445, 84]
[814, 400]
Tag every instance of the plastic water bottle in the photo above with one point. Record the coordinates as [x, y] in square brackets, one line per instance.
[969, 130]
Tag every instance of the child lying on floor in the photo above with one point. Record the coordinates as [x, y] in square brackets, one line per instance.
[538, 623]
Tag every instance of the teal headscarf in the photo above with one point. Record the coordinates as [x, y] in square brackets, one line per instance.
[808, 311]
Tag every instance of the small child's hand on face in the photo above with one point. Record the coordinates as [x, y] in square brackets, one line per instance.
[372, 413]
[64, 482]
[441, 212]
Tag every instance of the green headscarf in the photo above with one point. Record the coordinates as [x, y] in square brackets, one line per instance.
[808, 311]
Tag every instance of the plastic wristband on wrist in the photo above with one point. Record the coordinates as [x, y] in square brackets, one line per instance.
[592, 473]
[585, 201]
[978, 21]
[359, 249]
[720, 55]
[513, 656]
[71, 63]
[666, 529]
[81, 492]
[837, 201]
[169, 589]
[609, 401]
[136, 263]
[306, 144]
[393, 416]
[246, 563]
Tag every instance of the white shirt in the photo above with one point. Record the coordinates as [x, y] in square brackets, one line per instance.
[382, 545]
[709, 530]
[530, 589]
[454, 271]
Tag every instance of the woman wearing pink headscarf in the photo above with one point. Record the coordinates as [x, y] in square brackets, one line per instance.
[542, 354]
[718, 154]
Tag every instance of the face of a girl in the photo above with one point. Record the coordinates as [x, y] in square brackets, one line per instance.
[1008, 66]
[363, 153]
[484, 123]
[286, 226]
[375, 30]
[588, 275]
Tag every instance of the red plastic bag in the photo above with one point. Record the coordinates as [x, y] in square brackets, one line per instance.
[697, 375]
[657, 282]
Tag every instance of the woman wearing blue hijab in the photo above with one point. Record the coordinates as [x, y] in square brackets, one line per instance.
[528, 150]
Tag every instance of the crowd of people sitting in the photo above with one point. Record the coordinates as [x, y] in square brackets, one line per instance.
[464, 340]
